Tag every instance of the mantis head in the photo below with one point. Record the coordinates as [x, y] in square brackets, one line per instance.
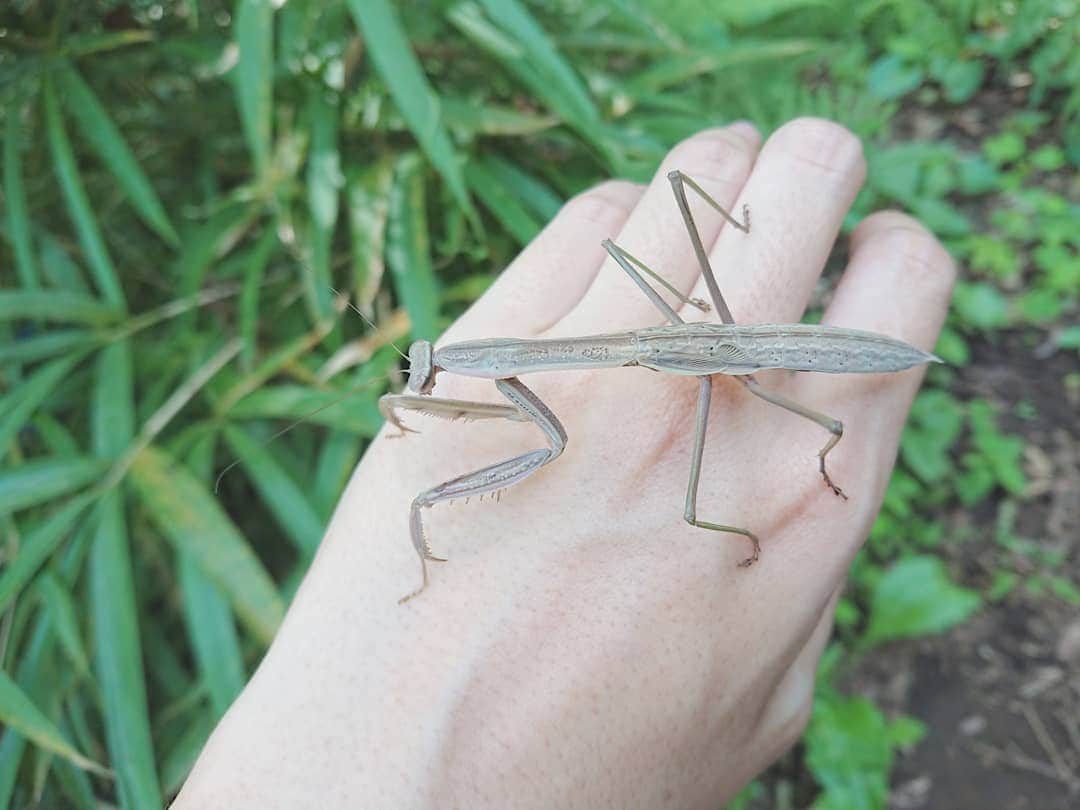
[421, 370]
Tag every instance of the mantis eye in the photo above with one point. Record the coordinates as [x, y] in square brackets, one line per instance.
[421, 371]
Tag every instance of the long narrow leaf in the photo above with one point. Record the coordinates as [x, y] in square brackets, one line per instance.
[367, 196]
[42, 480]
[289, 505]
[419, 105]
[43, 346]
[254, 78]
[357, 414]
[57, 600]
[15, 200]
[324, 182]
[38, 545]
[502, 204]
[55, 305]
[407, 251]
[192, 519]
[82, 212]
[101, 133]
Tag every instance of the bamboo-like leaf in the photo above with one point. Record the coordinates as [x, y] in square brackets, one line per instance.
[15, 200]
[17, 406]
[523, 48]
[209, 620]
[337, 458]
[257, 260]
[254, 77]
[532, 193]
[213, 636]
[101, 133]
[118, 659]
[324, 181]
[37, 546]
[419, 105]
[40, 347]
[42, 480]
[178, 760]
[82, 212]
[191, 518]
[367, 196]
[407, 251]
[502, 204]
[17, 711]
[13, 745]
[59, 268]
[278, 491]
[356, 414]
[61, 609]
[55, 305]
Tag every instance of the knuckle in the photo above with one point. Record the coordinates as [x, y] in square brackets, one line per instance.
[607, 205]
[716, 156]
[821, 144]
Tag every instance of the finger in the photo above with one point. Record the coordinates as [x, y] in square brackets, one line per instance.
[553, 272]
[898, 282]
[803, 183]
[720, 160]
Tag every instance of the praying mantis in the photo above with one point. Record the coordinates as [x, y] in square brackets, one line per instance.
[699, 349]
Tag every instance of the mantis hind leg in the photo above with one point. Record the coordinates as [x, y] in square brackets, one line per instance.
[834, 426]
[526, 406]
[690, 511]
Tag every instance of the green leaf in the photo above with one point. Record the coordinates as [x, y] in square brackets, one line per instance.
[44, 346]
[368, 200]
[980, 305]
[961, 79]
[15, 199]
[256, 263]
[18, 712]
[37, 546]
[101, 133]
[41, 480]
[278, 491]
[1040, 305]
[324, 181]
[79, 206]
[62, 613]
[935, 424]
[891, 77]
[192, 519]
[407, 250]
[321, 407]
[916, 598]
[502, 203]
[1048, 158]
[213, 636]
[57, 306]
[1007, 147]
[17, 406]
[254, 77]
[419, 105]
[849, 753]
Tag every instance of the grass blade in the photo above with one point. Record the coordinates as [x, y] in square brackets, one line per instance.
[192, 519]
[55, 305]
[61, 610]
[213, 636]
[38, 545]
[15, 200]
[17, 711]
[207, 615]
[320, 407]
[44, 346]
[101, 133]
[502, 204]
[249, 295]
[278, 491]
[42, 480]
[18, 405]
[324, 181]
[254, 77]
[367, 196]
[417, 101]
[407, 249]
[82, 213]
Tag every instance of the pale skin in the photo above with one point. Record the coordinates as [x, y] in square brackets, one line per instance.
[584, 646]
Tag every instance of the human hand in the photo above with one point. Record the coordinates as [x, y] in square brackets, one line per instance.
[584, 647]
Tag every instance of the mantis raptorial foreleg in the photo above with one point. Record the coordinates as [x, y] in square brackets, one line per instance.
[526, 406]
[835, 426]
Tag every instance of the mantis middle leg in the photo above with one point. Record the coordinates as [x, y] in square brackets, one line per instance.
[679, 181]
